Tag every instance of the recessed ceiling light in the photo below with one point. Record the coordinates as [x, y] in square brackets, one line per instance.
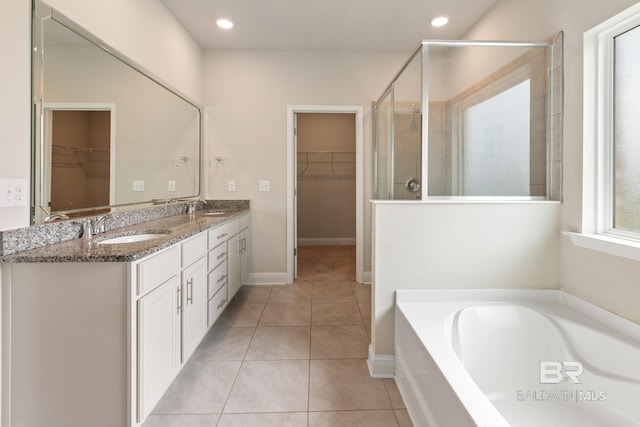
[439, 21]
[224, 23]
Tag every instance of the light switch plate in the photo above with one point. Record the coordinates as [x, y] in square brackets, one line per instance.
[171, 186]
[138, 185]
[231, 185]
[264, 185]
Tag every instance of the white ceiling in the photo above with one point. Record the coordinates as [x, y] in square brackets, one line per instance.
[325, 24]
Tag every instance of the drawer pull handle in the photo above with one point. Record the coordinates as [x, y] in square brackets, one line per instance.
[179, 299]
[223, 254]
[221, 278]
[222, 303]
[222, 235]
[190, 291]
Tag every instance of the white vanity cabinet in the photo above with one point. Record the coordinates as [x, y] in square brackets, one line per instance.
[172, 316]
[245, 221]
[99, 343]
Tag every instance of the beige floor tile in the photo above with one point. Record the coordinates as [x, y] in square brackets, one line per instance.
[253, 294]
[336, 314]
[270, 386]
[403, 418]
[362, 293]
[286, 315]
[289, 419]
[332, 294]
[344, 283]
[279, 342]
[326, 262]
[339, 342]
[296, 293]
[353, 419]
[224, 344]
[394, 393]
[240, 315]
[200, 388]
[365, 310]
[345, 384]
[206, 420]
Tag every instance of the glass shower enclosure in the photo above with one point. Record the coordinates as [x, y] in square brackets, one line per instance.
[472, 119]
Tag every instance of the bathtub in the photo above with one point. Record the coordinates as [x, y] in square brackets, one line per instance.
[495, 358]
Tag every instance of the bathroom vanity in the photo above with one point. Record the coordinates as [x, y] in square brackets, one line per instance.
[98, 332]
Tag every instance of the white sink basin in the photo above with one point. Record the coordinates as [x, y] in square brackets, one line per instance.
[131, 239]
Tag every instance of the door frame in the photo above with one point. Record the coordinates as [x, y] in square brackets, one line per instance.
[292, 181]
[43, 195]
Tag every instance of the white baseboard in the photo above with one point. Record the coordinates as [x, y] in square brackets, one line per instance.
[381, 365]
[327, 241]
[366, 277]
[267, 279]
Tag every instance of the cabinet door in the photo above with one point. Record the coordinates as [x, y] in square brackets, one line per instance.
[233, 265]
[158, 343]
[194, 301]
[244, 256]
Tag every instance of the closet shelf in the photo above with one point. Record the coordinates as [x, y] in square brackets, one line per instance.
[83, 149]
[326, 165]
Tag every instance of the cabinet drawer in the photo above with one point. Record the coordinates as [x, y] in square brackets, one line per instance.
[217, 255]
[218, 235]
[157, 269]
[234, 227]
[193, 249]
[245, 221]
[217, 304]
[217, 278]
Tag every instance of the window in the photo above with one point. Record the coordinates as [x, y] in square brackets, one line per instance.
[626, 132]
[611, 167]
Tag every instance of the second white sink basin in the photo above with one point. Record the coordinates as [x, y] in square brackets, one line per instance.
[131, 238]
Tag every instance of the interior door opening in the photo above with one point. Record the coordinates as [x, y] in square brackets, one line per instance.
[321, 166]
[325, 221]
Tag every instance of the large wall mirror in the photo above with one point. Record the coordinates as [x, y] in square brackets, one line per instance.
[107, 134]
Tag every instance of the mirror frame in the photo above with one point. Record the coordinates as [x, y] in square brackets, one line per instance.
[41, 11]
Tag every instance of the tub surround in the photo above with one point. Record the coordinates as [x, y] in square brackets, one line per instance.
[62, 242]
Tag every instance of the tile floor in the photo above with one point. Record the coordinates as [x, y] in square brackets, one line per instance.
[288, 356]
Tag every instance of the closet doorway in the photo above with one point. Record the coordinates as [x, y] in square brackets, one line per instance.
[325, 181]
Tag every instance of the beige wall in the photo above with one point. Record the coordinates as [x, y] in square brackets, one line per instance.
[608, 281]
[326, 178]
[247, 93]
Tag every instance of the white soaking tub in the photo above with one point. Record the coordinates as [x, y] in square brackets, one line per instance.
[515, 358]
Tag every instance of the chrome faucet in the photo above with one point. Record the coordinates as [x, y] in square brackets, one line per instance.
[98, 224]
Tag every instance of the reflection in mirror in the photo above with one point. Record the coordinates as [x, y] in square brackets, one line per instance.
[106, 133]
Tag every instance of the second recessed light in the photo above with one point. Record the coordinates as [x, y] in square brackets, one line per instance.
[440, 21]
[224, 23]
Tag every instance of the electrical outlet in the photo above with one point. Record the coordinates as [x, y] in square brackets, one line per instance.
[231, 185]
[13, 192]
[264, 185]
[138, 185]
[171, 186]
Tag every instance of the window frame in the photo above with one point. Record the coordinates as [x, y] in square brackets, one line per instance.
[598, 120]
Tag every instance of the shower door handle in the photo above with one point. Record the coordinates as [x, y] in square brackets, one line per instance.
[412, 185]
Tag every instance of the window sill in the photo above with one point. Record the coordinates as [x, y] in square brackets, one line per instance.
[608, 244]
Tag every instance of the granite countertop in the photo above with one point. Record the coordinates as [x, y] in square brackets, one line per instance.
[177, 228]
